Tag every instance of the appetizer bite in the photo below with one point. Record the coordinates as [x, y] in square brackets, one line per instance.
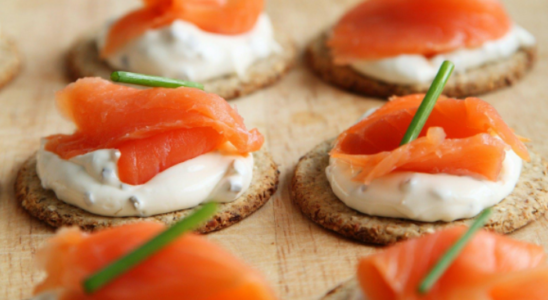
[145, 154]
[416, 165]
[383, 48]
[151, 263]
[10, 60]
[230, 46]
[487, 267]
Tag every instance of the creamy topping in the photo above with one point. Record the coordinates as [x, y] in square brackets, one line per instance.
[421, 196]
[182, 50]
[416, 69]
[90, 181]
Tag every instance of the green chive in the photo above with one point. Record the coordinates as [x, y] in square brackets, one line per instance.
[447, 259]
[153, 81]
[428, 102]
[132, 259]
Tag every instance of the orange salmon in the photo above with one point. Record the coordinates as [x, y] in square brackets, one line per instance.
[190, 268]
[457, 139]
[228, 17]
[377, 29]
[491, 267]
[154, 129]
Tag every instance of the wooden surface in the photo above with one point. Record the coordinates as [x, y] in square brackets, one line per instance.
[300, 260]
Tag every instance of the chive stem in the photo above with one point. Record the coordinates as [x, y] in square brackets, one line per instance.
[112, 271]
[152, 81]
[428, 102]
[447, 259]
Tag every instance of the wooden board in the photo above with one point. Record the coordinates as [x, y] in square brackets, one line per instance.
[300, 260]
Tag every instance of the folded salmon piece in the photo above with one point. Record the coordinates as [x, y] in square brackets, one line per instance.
[460, 137]
[190, 268]
[377, 29]
[228, 17]
[154, 128]
[491, 267]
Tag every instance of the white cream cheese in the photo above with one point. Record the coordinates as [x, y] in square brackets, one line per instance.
[421, 196]
[90, 181]
[416, 69]
[182, 50]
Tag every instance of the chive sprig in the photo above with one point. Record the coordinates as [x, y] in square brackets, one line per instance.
[114, 270]
[428, 102]
[152, 81]
[447, 259]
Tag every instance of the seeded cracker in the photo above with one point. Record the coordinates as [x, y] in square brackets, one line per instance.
[83, 61]
[44, 205]
[311, 192]
[476, 81]
[10, 61]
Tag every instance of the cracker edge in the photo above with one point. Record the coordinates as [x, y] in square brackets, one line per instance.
[30, 194]
[480, 80]
[262, 74]
[383, 231]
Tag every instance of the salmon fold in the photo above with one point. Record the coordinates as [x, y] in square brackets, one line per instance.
[490, 267]
[229, 17]
[153, 129]
[378, 29]
[461, 137]
[190, 268]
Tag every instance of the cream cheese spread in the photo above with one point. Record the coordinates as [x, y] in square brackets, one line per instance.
[421, 196]
[182, 50]
[90, 181]
[417, 69]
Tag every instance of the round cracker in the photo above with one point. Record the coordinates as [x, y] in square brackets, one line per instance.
[44, 205]
[483, 79]
[10, 61]
[348, 290]
[311, 191]
[83, 61]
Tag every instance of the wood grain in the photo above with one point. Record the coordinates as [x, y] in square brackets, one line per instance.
[300, 260]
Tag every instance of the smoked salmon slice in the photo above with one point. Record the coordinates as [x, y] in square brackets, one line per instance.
[228, 17]
[154, 129]
[491, 267]
[377, 29]
[458, 138]
[190, 268]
